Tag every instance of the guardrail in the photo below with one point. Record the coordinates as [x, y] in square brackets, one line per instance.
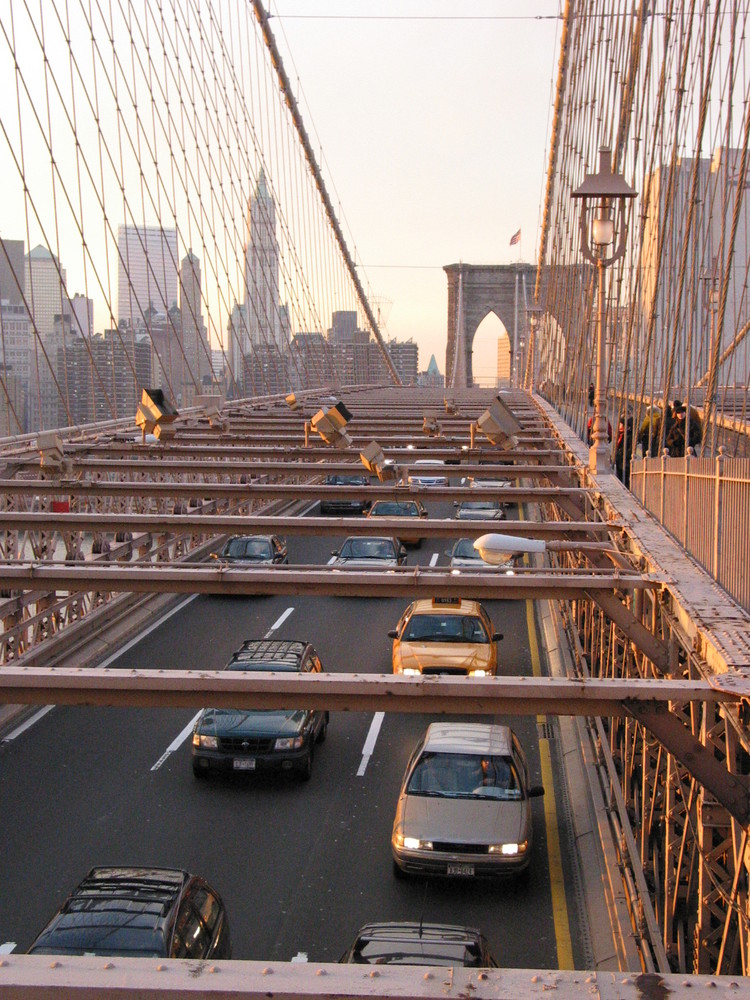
[705, 504]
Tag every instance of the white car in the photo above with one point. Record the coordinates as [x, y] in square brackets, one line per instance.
[479, 510]
[427, 478]
[464, 807]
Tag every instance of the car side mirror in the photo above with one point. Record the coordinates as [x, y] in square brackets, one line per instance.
[214, 555]
[535, 791]
[455, 503]
[393, 634]
[423, 513]
[335, 552]
[497, 636]
[402, 552]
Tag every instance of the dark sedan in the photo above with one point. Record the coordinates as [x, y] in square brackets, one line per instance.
[412, 943]
[253, 550]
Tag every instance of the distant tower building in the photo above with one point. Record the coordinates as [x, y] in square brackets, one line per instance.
[146, 272]
[264, 316]
[12, 284]
[259, 330]
[432, 377]
[47, 299]
[81, 312]
[503, 361]
[15, 336]
[405, 357]
[195, 347]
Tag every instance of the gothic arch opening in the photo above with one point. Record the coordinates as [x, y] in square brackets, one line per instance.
[491, 352]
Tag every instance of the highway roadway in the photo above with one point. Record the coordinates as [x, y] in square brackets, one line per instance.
[301, 866]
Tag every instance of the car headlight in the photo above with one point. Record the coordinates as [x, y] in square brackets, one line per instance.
[412, 843]
[477, 673]
[289, 743]
[509, 850]
[411, 672]
[205, 742]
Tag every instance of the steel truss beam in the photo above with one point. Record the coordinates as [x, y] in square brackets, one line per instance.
[441, 694]
[28, 977]
[316, 526]
[405, 582]
[731, 790]
[168, 489]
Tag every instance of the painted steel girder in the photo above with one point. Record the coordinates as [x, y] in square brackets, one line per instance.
[649, 644]
[731, 790]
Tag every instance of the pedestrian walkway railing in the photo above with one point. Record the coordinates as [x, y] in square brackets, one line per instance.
[705, 504]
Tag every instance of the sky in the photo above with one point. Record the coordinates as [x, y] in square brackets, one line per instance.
[431, 120]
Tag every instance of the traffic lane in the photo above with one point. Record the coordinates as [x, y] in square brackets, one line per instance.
[357, 884]
[87, 795]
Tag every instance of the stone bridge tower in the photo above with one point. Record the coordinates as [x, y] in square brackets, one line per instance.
[474, 291]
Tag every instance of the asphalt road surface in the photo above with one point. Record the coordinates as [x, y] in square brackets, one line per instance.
[301, 866]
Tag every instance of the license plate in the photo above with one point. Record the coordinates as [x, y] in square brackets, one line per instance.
[244, 763]
[460, 869]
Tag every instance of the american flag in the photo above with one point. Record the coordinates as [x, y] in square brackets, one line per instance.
[515, 238]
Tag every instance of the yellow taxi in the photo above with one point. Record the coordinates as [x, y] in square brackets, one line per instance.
[445, 635]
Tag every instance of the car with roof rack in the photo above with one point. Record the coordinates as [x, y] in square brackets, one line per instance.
[139, 912]
[252, 740]
[416, 943]
[341, 505]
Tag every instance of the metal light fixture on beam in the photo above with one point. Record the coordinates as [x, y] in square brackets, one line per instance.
[498, 550]
[330, 422]
[497, 424]
[155, 415]
[375, 461]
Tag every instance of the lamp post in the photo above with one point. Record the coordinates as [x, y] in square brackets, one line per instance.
[533, 312]
[608, 192]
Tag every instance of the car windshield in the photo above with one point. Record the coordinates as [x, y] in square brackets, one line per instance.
[464, 549]
[480, 505]
[445, 628]
[248, 548]
[347, 481]
[367, 548]
[396, 509]
[459, 775]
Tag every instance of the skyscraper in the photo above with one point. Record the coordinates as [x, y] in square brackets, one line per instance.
[146, 272]
[264, 316]
[47, 298]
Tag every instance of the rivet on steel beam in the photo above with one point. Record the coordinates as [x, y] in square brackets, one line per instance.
[427, 975]
[321, 972]
[108, 965]
[535, 979]
[54, 965]
[161, 968]
[267, 971]
[482, 976]
[374, 974]
[212, 968]
[3, 963]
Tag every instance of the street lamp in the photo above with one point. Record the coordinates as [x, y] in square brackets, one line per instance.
[608, 192]
[533, 312]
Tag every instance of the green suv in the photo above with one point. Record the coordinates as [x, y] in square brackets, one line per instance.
[251, 740]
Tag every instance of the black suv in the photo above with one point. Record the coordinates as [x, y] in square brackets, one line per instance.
[344, 506]
[410, 943]
[231, 739]
[141, 912]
